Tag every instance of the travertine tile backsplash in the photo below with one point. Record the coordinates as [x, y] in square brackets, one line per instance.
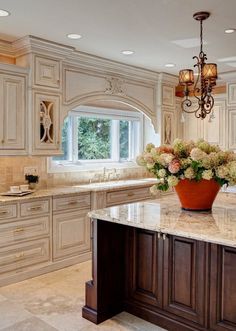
[12, 173]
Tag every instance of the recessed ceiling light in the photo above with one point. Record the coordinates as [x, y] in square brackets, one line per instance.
[127, 52]
[74, 36]
[4, 13]
[169, 65]
[229, 30]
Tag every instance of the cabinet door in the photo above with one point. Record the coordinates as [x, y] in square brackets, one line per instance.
[223, 288]
[46, 124]
[185, 278]
[214, 128]
[193, 128]
[12, 113]
[145, 267]
[71, 234]
[47, 72]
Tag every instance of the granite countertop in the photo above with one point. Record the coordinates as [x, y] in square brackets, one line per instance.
[86, 188]
[165, 215]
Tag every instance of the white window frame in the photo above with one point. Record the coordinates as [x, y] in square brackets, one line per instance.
[135, 119]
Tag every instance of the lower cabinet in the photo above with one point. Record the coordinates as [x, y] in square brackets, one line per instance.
[181, 283]
[145, 269]
[168, 275]
[71, 226]
[223, 288]
[185, 278]
[71, 233]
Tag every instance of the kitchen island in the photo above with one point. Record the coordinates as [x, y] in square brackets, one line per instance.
[174, 268]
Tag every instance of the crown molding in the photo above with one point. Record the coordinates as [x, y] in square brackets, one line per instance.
[70, 56]
[168, 79]
[6, 48]
[32, 44]
[111, 67]
[228, 77]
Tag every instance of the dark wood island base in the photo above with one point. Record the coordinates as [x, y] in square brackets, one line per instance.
[178, 283]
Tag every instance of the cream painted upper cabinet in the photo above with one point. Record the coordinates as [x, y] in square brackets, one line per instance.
[46, 124]
[13, 112]
[46, 72]
[212, 128]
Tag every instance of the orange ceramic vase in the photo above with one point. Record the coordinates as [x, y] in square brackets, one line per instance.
[197, 196]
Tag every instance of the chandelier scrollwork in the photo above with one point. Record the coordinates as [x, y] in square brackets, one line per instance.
[205, 81]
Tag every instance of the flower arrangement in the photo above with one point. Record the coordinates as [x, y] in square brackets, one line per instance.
[188, 160]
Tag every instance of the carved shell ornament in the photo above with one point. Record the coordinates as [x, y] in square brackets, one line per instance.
[115, 86]
[46, 121]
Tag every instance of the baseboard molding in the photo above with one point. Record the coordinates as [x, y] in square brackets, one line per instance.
[41, 269]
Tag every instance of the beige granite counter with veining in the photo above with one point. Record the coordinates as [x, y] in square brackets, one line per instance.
[94, 187]
[165, 215]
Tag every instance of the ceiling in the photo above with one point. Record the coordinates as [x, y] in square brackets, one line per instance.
[148, 27]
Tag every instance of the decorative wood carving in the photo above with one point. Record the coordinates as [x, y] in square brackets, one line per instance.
[46, 124]
[115, 86]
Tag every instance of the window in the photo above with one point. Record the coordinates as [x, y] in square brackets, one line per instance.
[96, 136]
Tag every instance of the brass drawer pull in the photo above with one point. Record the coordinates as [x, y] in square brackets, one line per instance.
[18, 230]
[130, 194]
[4, 212]
[71, 203]
[164, 236]
[159, 235]
[35, 208]
[20, 255]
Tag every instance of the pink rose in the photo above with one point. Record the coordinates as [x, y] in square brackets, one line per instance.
[174, 166]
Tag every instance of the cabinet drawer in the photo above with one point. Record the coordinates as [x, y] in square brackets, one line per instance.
[77, 201]
[126, 196]
[8, 211]
[71, 233]
[24, 255]
[34, 207]
[13, 232]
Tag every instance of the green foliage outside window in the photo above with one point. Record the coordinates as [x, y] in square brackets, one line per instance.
[94, 139]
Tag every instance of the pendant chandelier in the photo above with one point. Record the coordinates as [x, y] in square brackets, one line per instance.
[205, 80]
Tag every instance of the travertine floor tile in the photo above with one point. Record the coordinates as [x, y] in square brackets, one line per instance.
[54, 301]
[11, 313]
[31, 324]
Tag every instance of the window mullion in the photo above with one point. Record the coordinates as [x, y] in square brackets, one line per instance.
[75, 138]
[115, 133]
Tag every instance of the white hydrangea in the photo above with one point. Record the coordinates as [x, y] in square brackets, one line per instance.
[189, 173]
[149, 147]
[161, 173]
[207, 174]
[197, 154]
[154, 190]
[222, 171]
[166, 158]
[172, 181]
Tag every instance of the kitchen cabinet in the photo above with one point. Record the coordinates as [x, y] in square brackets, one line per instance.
[168, 272]
[13, 110]
[173, 281]
[25, 239]
[223, 289]
[46, 72]
[46, 124]
[211, 129]
[185, 278]
[71, 226]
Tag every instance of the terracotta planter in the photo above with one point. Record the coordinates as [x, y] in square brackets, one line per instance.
[197, 196]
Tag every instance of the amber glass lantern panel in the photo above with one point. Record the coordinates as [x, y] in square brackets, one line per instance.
[186, 77]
